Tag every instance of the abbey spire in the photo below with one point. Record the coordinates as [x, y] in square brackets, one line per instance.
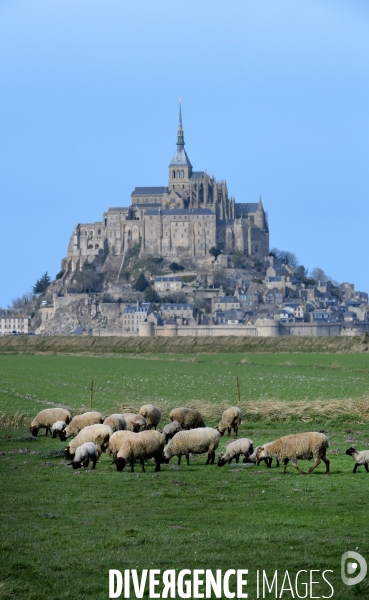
[180, 158]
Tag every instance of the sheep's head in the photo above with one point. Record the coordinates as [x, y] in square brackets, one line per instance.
[68, 455]
[260, 453]
[75, 464]
[221, 428]
[221, 461]
[120, 463]
[166, 456]
[350, 451]
[104, 446]
[62, 435]
[34, 430]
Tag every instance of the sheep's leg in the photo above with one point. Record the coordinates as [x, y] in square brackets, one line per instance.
[268, 462]
[325, 459]
[229, 431]
[143, 465]
[355, 467]
[285, 463]
[179, 458]
[85, 463]
[317, 462]
[236, 429]
[237, 457]
[298, 468]
[188, 458]
[157, 459]
[210, 459]
[366, 467]
[94, 460]
[277, 463]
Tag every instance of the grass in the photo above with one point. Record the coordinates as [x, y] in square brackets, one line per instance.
[62, 530]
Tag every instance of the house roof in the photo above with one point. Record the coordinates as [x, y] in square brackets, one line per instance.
[179, 211]
[245, 208]
[149, 191]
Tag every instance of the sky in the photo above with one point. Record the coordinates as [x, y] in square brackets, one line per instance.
[275, 100]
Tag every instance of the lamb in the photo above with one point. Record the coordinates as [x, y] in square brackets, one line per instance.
[116, 441]
[57, 428]
[231, 418]
[304, 446]
[84, 454]
[170, 430]
[116, 422]
[144, 445]
[152, 415]
[79, 422]
[46, 418]
[198, 441]
[252, 459]
[98, 434]
[188, 418]
[135, 422]
[235, 449]
[362, 458]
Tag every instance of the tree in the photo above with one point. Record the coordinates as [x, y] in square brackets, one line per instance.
[301, 273]
[288, 258]
[86, 281]
[141, 283]
[42, 284]
[214, 252]
[239, 260]
[318, 274]
[176, 267]
[151, 295]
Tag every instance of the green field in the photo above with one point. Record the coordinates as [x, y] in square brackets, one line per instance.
[61, 531]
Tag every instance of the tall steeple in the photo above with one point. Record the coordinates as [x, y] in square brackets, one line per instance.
[180, 168]
[180, 135]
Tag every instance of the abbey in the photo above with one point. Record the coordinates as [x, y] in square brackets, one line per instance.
[184, 219]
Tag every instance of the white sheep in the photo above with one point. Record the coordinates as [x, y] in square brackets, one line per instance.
[188, 418]
[116, 422]
[304, 446]
[195, 441]
[141, 446]
[235, 449]
[84, 454]
[79, 422]
[47, 417]
[135, 422]
[362, 458]
[252, 459]
[231, 418]
[98, 434]
[116, 441]
[170, 430]
[57, 428]
[152, 415]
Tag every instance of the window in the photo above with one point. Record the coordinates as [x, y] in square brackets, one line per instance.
[182, 174]
[178, 175]
[173, 174]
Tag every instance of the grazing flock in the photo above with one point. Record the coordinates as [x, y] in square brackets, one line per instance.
[130, 437]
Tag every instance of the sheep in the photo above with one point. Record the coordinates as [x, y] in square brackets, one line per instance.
[116, 441]
[141, 446]
[231, 418]
[57, 428]
[304, 446]
[188, 418]
[252, 459]
[98, 434]
[152, 415]
[116, 422]
[46, 418]
[362, 458]
[84, 454]
[198, 441]
[170, 430]
[79, 422]
[135, 422]
[235, 449]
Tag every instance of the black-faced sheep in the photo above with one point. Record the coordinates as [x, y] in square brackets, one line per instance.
[252, 459]
[304, 446]
[116, 422]
[135, 422]
[196, 441]
[152, 415]
[57, 428]
[235, 449]
[361, 458]
[84, 454]
[116, 441]
[188, 418]
[98, 434]
[231, 419]
[46, 418]
[79, 422]
[141, 446]
[170, 430]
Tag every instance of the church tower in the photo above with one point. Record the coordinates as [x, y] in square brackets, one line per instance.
[180, 169]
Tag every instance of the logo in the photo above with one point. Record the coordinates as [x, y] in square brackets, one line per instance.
[350, 563]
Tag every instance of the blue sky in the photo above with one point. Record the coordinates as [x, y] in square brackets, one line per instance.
[275, 101]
